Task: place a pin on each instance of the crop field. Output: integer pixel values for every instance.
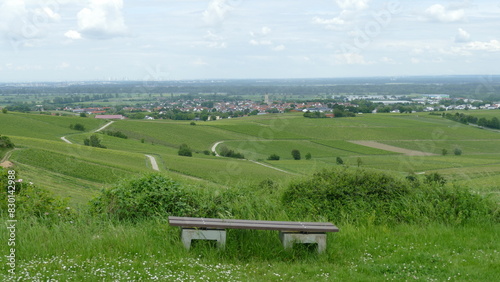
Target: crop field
(42, 126)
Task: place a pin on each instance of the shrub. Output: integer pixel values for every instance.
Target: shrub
(4, 110)
(339, 161)
(206, 152)
(308, 156)
(273, 157)
(435, 178)
(192, 123)
(33, 201)
(444, 152)
(78, 126)
(457, 151)
(184, 150)
(83, 115)
(296, 154)
(360, 196)
(144, 197)
(118, 134)
(226, 152)
(93, 141)
(5, 143)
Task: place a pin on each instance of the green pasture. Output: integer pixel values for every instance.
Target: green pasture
(43, 126)
(468, 147)
(199, 137)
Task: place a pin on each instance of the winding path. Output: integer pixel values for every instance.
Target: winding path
(66, 140)
(154, 164)
(214, 147)
(104, 126)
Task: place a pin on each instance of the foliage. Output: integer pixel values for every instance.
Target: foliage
(4, 110)
(457, 151)
(359, 161)
(5, 142)
(309, 114)
(361, 196)
(494, 122)
(308, 156)
(273, 157)
(184, 150)
(435, 178)
(444, 152)
(83, 115)
(118, 134)
(78, 126)
(93, 141)
(32, 201)
(296, 154)
(144, 197)
(192, 123)
(229, 153)
(339, 161)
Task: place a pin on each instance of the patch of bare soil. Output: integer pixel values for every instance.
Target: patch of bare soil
(390, 148)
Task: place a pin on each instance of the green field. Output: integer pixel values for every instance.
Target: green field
(252, 188)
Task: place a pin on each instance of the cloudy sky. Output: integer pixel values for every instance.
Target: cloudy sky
(61, 40)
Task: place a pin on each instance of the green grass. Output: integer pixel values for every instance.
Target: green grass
(42, 126)
(152, 249)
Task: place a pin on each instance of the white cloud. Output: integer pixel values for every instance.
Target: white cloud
(63, 65)
(103, 19)
(387, 60)
(353, 4)
(216, 12)
(48, 12)
(462, 36)
(279, 48)
(491, 46)
(350, 59)
(73, 34)
(333, 23)
(214, 40)
(438, 12)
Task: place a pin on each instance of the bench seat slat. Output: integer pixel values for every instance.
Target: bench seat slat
(252, 224)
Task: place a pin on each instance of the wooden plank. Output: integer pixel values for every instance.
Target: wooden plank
(252, 224)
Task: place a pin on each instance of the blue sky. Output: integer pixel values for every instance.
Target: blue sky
(64, 40)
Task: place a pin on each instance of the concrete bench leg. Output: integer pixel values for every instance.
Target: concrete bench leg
(189, 234)
(289, 238)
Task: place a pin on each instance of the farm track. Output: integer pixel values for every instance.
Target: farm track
(154, 164)
(66, 140)
(214, 147)
(104, 126)
(5, 160)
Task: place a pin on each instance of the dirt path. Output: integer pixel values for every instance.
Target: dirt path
(154, 164)
(378, 145)
(5, 163)
(104, 126)
(66, 140)
(215, 147)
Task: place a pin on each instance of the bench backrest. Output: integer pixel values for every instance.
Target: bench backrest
(215, 223)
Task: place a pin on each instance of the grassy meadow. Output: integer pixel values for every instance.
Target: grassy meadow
(86, 247)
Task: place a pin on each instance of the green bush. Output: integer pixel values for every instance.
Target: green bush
(5, 143)
(457, 152)
(144, 197)
(296, 154)
(118, 134)
(339, 161)
(184, 150)
(78, 126)
(226, 152)
(360, 196)
(273, 157)
(32, 201)
(93, 141)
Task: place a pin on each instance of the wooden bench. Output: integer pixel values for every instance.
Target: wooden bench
(194, 228)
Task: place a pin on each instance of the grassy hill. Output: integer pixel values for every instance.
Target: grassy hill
(366, 248)
(83, 170)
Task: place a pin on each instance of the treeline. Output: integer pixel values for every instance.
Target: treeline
(493, 123)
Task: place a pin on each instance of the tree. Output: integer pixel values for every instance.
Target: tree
(78, 126)
(359, 161)
(444, 152)
(4, 110)
(6, 143)
(93, 141)
(273, 157)
(339, 161)
(83, 115)
(184, 150)
(457, 151)
(308, 156)
(296, 154)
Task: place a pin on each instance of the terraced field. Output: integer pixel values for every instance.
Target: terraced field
(46, 157)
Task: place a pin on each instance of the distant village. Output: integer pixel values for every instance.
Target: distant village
(378, 103)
